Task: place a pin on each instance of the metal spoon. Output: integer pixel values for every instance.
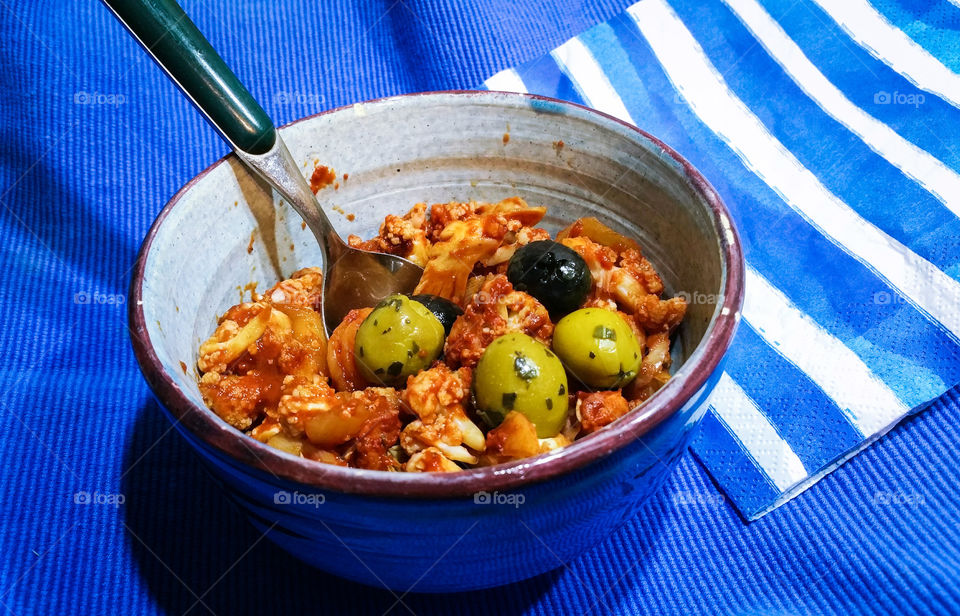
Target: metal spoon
(352, 278)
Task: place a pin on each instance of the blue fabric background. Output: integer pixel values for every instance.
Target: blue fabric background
(95, 140)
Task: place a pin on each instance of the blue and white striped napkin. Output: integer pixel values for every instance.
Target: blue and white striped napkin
(834, 138)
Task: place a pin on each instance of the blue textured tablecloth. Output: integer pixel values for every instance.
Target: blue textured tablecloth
(95, 140)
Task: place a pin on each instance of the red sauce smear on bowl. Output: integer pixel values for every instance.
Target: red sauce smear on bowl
(322, 176)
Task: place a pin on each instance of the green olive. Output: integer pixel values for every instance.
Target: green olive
(597, 347)
(517, 373)
(399, 338)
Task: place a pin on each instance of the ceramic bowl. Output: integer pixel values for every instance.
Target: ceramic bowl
(482, 527)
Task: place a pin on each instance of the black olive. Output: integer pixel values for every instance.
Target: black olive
(442, 308)
(555, 275)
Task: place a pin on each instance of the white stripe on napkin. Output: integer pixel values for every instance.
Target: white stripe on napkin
(591, 82)
(506, 81)
(750, 426)
(698, 81)
(893, 47)
(916, 163)
(866, 400)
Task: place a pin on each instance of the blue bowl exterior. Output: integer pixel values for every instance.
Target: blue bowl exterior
(458, 544)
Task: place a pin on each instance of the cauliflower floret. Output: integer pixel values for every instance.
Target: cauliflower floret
(430, 460)
(654, 370)
(629, 281)
(402, 236)
(463, 242)
(379, 432)
(496, 309)
(233, 336)
(554, 442)
(438, 397)
(513, 241)
(599, 408)
(442, 214)
(304, 288)
(237, 399)
(302, 401)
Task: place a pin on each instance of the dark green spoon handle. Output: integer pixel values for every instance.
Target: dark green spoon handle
(174, 42)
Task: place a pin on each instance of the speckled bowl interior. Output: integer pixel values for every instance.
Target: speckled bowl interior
(226, 230)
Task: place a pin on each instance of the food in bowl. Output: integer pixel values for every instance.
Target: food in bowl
(513, 344)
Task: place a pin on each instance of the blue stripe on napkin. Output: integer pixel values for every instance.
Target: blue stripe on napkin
(830, 135)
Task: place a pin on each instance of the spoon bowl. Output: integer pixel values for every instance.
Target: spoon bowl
(359, 278)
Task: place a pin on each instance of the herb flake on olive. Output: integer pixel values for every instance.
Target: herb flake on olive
(525, 368)
(604, 333)
(399, 338)
(555, 275)
(518, 373)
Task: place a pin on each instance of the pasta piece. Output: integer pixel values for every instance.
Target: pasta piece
(442, 214)
(293, 446)
(554, 442)
(267, 429)
(341, 364)
(304, 352)
(511, 242)
(464, 242)
(322, 455)
(594, 230)
(515, 208)
(369, 418)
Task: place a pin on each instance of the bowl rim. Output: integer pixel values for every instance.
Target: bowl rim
(213, 431)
